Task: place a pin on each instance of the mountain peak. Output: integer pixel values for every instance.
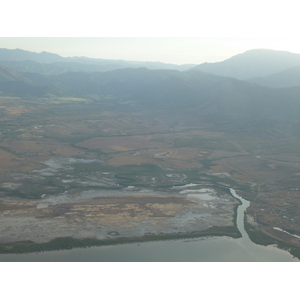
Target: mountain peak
(252, 63)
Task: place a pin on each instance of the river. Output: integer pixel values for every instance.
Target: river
(209, 249)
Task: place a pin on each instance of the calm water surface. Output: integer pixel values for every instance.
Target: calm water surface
(211, 249)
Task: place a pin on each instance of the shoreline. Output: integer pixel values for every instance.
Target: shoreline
(68, 243)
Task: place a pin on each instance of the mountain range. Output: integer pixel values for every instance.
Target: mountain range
(52, 64)
(241, 87)
(253, 63)
(265, 67)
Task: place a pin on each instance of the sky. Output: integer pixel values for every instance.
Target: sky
(166, 31)
(185, 50)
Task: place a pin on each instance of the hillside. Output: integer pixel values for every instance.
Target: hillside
(286, 78)
(7, 74)
(252, 63)
(14, 83)
(213, 97)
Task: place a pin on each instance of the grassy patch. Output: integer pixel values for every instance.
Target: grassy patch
(131, 174)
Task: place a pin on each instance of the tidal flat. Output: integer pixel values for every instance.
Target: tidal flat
(131, 211)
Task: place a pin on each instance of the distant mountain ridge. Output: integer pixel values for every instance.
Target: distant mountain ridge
(52, 64)
(213, 98)
(20, 55)
(257, 66)
(252, 63)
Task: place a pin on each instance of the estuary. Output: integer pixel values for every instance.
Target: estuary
(205, 249)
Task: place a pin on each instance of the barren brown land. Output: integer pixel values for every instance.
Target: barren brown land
(89, 169)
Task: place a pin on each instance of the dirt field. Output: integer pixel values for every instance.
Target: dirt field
(119, 210)
(126, 143)
(146, 157)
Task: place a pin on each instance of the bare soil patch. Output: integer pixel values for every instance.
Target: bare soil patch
(141, 157)
(122, 143)
(110, 210)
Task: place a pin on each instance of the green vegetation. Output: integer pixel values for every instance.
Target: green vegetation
(133, 174)
(66, 243)
(260, 238)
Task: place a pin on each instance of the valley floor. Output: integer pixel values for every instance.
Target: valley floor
(98, 171)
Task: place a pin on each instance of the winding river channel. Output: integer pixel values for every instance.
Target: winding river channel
(209, 249)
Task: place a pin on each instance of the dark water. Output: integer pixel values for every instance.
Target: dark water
(211, 249)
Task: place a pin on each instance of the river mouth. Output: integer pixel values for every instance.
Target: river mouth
(240, 218)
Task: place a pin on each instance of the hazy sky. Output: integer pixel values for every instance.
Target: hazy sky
(169, 50)
(197, 31)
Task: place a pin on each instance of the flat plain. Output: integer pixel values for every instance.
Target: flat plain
(85, 168)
